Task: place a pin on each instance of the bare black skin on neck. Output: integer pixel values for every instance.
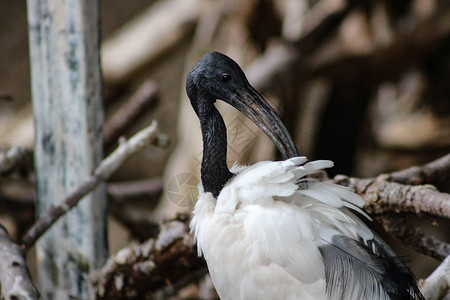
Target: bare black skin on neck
(214, 169)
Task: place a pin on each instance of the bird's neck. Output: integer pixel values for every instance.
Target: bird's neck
(214, 170)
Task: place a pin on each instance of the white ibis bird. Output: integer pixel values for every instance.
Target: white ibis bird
(267, 231)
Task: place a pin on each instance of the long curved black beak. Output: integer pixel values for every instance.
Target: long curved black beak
(249, 102)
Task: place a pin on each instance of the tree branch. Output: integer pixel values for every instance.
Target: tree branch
(435, 172)
(436, 286)
(147, 135)
(382, 196)
(414, 236)
(15, 278)
(22, 192)
(159, 266)
(144, 97)
(125, 191)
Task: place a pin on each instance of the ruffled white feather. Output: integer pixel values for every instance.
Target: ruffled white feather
(262, 234)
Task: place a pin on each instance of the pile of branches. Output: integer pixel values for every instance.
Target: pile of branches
(363, 83)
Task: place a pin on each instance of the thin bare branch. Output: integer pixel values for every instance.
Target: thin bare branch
(22, 192)
(414, 237)
(158, 266)
(147, 135)
(436, 286)
(382, 196)
(143, 98)
(435, 172)
(15, 278)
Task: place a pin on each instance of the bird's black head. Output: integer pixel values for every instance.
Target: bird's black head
(216, 76)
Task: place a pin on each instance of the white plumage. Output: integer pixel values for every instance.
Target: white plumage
(270, 232)
(262, 227)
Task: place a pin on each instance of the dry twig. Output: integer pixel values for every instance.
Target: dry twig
(158, 266)
(123, 191)
(14, 275)
(23, 193)
(147, 135)
(144, 97)
(382, 196)
(414, 236)
(437, 285)
(435, 172)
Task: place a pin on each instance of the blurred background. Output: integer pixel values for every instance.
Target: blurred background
(363, 83)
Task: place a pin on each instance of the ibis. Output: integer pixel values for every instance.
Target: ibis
(270, 231)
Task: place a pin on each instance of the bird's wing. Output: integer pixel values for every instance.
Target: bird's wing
(318, 239)
(357, 269)
(358, 263)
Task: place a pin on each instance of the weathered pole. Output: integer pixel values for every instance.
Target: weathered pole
(64, 40)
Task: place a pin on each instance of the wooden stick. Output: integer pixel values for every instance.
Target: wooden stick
(159, 266)
(414, 237)
(382, 196)
(435, 172)
(124, 191)
(144, 97)
(436, 286)
(15, 277)
(103, 171)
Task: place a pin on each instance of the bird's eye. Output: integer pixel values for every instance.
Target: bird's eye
(225, 77)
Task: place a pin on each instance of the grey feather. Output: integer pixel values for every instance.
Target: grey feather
(366, 270)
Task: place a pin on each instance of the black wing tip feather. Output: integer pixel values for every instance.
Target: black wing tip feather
(396, 272)
(382, 270)
(399, 282)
